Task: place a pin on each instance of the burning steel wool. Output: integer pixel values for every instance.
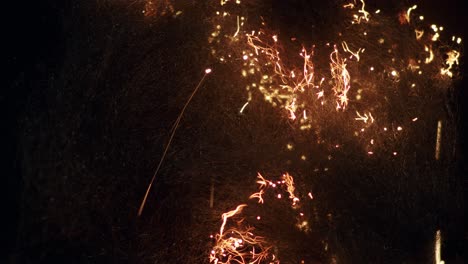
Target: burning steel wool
(370, 77)
(367, 85)
(238, 243)
(370, 81)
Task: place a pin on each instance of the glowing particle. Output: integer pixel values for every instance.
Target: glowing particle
(258, 217)
(421, 18)
(289, 146)
(431, 55)
(310, 195)
(413, 85)
(399, 128)
(207, 71)
(279, 196)
(372, 68)
(303, 157)
(419, 34)
(408, 13)
(243, 107)
(395, 153)
(377, 11)
(385, 129)
(415, 119)
(452, 58)
(245, 57)
(394, 73)
(370, 153)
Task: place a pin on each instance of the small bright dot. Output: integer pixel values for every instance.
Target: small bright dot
(399, 128)
(372, 142)
(378, 11)
(279, 195)
(370, 153)
(413, 85)
(303, 157)
(394, 153)
(301, 214)
(415, 119)
(394, 73)
(208, 71)
(245, 57)
(258, 217)
(385, 129)
(421, 18)
(371, 68)
(289, 146)
(362, 129)
(459, 40)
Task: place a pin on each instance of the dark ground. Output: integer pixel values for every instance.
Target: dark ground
(79, 133)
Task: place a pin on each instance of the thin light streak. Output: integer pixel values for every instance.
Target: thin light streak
(238, 28)
(212, 193)
(174, 129)
(408, 13)
(438, 140)
(243, 108)
(226, 216)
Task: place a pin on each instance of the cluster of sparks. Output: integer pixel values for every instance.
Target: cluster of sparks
(336, 79)
(239, 244)
(154, 8)
(310, 88)
(339, 78)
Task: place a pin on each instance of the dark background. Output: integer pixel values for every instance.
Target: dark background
(34, 43)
